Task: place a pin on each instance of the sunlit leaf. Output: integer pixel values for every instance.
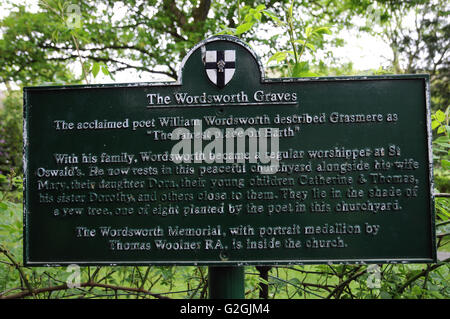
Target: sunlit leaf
(434, 124)
(279, 56)
(308, 31)
(260, 7)
(244, 27)
(440, 116)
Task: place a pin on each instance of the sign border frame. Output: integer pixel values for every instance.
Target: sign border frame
(179, 82)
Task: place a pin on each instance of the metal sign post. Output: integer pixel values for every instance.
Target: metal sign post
(226, 282)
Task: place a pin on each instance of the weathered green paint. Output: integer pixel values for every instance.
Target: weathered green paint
(405, 235)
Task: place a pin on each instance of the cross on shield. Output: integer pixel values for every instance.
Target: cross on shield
(220, 66)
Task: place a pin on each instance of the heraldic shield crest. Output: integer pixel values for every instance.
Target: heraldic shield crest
(220, 66)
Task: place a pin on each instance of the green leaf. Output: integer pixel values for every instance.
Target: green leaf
(3, 207)
(300, 69)
(308, 31)
(440, 116)
(279, 56)
(416, 290)
(308, 45)
(434, 124)
(441, 139)
(105, 71)
(226, 30)
(55, 35)
(291, 8)
(260, 7)
(249, 17)
(441, 129)
(321, 30)
(95, 69)
(273, 17)
(445, 164)
(311, 46)
(302, 42)
(244, 27)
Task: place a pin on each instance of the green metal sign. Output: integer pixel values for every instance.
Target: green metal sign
(226, 167)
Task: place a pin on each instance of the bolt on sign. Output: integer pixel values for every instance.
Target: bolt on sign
(227, 167)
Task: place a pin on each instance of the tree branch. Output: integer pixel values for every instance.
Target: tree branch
(422, 273)
(171, 6)
(123, 65)
(19, 268)
(201, 12)
(343, 284)
(83, 285)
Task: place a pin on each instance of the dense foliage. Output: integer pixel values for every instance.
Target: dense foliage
(151, 38)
